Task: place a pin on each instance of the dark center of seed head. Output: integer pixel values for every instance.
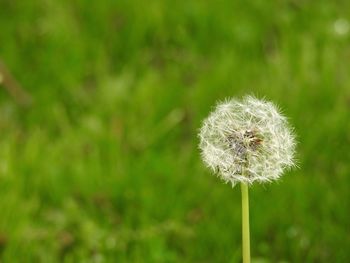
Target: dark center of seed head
(240, 144)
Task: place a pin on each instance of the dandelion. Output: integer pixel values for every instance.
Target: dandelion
(246, 141)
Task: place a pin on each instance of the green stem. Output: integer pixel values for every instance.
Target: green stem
(245, 224)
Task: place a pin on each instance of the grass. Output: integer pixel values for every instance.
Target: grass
(104, 166)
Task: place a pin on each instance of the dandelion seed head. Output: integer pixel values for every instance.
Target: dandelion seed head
(247, 140)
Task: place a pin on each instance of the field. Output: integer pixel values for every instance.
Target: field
(101, 162)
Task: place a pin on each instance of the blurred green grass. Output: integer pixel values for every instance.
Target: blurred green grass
(104, 166)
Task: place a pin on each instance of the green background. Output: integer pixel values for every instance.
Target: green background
(104, 166)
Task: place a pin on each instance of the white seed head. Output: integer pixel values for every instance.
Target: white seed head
(247, 140)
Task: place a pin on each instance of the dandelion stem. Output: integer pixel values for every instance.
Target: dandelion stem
(245, 224)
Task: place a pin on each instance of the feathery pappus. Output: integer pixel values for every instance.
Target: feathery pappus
(247, 140)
